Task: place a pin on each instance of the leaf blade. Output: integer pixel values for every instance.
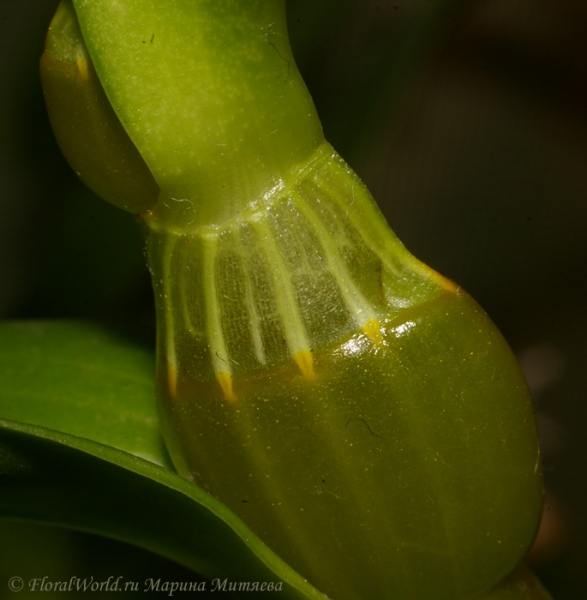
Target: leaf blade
(81, 378)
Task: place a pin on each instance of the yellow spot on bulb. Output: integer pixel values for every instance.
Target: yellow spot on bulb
(305, 362)
(172, 379)
(447, 284)
(372, 330)
(82, 66)
(225, 381)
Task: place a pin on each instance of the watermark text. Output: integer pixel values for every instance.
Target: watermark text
(119, 584)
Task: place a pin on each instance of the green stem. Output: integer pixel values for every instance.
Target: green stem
(214, 127)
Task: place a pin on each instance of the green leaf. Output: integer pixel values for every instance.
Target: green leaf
(80, 447)
(82, 379)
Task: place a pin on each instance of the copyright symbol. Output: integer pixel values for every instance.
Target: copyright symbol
(15, 584)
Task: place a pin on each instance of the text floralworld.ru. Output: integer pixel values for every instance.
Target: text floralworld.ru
(117, 584)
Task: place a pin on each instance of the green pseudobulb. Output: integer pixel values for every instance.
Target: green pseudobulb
(357, 410)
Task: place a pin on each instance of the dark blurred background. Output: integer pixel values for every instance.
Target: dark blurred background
(468, 121)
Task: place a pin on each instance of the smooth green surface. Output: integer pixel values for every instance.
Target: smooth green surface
(210, 96)
(88, 395)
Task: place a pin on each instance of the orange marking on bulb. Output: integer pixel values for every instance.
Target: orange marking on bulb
(444, 282)
(172, 379)
(82, 66)
(372, 329)
(225, 381)
(305, 362)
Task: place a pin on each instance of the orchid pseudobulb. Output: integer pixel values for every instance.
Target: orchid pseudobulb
(357, 410)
